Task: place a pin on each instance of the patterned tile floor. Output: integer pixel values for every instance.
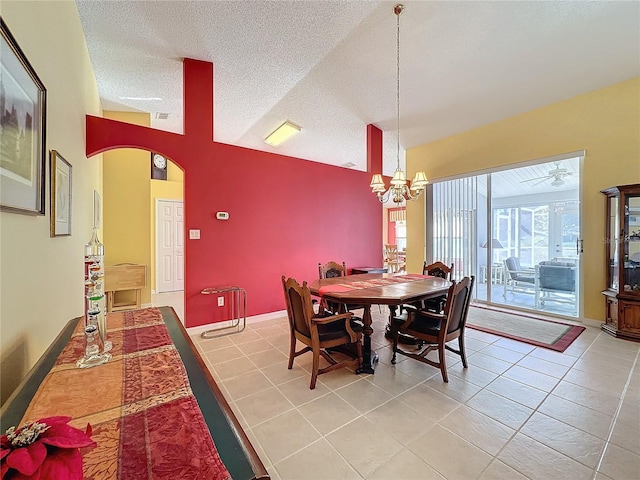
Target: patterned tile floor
(517, 412)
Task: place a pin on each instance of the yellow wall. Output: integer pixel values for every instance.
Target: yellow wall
(127, 188)
(41, 278)
(605, 123)
(129, 203)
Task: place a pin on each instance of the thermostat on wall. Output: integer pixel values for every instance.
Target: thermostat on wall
(222, 215)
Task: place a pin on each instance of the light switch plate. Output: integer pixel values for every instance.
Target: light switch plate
(194, 234)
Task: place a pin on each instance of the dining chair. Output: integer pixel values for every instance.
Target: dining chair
(437, 329)
(332, 270)
(392, 258)
(436, 269)
(320, 332)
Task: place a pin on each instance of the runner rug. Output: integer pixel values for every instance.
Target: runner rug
(549, 334)
(146, 421)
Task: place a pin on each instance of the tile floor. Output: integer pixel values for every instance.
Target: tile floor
(517, 412)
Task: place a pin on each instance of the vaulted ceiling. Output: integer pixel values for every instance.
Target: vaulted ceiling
(330, 66)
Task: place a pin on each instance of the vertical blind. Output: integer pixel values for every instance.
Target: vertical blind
(454, 210)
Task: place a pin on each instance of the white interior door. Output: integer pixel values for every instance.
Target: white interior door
(169, 245)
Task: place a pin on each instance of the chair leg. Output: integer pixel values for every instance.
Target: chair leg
(292, 352)
(463, 353)
(315, 367)
(394, 334)
(443, 362)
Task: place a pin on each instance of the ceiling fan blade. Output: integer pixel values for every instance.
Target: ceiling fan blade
(542, 179)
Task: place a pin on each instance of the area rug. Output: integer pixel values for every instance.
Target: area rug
(549, 334)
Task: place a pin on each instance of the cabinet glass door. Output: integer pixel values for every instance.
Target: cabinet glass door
(631, 276)
(614, 228)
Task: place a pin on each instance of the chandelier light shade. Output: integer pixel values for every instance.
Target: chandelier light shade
(282, 133)
(398, 189)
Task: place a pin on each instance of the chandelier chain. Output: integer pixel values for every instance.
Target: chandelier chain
(398, 87)
(399, 190)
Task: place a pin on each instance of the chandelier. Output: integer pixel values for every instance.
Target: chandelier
(398, 189)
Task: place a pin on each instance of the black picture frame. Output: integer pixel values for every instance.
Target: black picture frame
(61, 195)
(23, 155)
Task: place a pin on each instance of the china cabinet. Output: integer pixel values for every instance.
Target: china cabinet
(622, 243)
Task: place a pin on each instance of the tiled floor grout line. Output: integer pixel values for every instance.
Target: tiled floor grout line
(534, 410)
(617, 413)
(483, 387)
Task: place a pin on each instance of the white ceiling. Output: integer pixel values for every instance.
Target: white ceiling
(330, 66)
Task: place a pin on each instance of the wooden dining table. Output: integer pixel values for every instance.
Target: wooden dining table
(377, 289)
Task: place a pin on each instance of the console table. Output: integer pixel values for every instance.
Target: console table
(120, 411)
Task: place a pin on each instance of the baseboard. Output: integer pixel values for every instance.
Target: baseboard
(589, 322)
(263, 317)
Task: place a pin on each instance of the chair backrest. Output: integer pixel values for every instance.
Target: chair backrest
(299, 306)
(437, 269)
(458, 300)
(391, 251)
(557, 276)
(331, 270)
(512, 265)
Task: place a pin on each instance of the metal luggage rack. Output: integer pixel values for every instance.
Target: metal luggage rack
(238, 299)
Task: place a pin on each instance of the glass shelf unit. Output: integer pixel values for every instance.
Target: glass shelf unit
(622, 243)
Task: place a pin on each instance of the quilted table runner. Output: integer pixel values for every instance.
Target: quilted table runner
(145, 418)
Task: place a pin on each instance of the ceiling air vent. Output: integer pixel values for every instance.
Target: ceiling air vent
(161, 116)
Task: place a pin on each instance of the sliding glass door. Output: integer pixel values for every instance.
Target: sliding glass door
(516, 230)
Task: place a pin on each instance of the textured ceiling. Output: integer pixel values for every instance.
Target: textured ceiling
(330, 66)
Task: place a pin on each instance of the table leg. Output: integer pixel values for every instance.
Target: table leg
(369, 358)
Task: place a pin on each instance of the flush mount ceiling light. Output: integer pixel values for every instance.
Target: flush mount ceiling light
(398, 190)
(282, 133)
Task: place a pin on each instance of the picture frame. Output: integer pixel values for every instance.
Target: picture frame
(61, 188)
(97, 210)
(22, 133)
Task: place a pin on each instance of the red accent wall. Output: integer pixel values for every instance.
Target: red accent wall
(286, 214)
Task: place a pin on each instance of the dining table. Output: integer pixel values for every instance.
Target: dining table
(370, 289)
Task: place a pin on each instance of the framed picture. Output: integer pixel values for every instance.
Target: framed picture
(60, 195)
(22, 131)
(97, 210)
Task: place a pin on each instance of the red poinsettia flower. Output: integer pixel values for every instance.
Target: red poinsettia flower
(46, 449)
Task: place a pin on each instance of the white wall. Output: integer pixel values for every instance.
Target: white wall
(41, 278)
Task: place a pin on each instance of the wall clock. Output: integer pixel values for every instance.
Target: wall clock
(158, 166)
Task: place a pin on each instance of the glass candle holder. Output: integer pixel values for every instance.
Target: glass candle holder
(93, 349)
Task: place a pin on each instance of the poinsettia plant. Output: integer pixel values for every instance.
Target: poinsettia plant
(47, 449)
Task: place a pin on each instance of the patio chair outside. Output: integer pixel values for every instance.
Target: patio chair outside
(556, 282)
(518, 279)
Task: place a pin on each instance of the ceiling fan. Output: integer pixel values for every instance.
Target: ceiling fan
(557, 175)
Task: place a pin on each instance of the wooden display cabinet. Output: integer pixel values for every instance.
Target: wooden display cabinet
(622, 295)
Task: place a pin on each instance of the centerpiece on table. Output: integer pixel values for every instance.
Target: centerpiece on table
(47, 449)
